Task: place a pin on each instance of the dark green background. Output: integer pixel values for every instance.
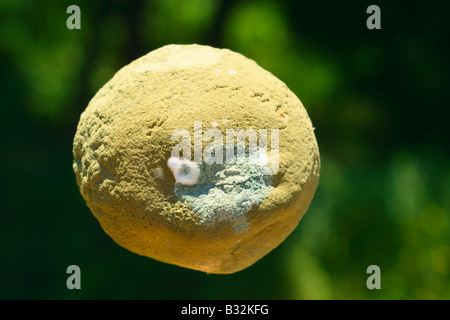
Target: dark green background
(379, 100)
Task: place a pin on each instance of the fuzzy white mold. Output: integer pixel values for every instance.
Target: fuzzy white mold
(186, 172)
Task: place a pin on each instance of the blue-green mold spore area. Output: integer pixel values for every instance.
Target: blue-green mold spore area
(226, 192)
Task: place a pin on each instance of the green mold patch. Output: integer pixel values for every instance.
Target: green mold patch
(226, 192)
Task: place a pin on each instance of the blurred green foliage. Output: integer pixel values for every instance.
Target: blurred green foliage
(378, 100)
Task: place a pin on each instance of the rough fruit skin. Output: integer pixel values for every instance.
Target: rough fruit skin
(123, 142)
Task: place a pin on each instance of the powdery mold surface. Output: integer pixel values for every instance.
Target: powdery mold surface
(227, 191)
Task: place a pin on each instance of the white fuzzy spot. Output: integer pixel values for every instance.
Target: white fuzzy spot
(185, 172)
(231, 71)
(159, 173)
